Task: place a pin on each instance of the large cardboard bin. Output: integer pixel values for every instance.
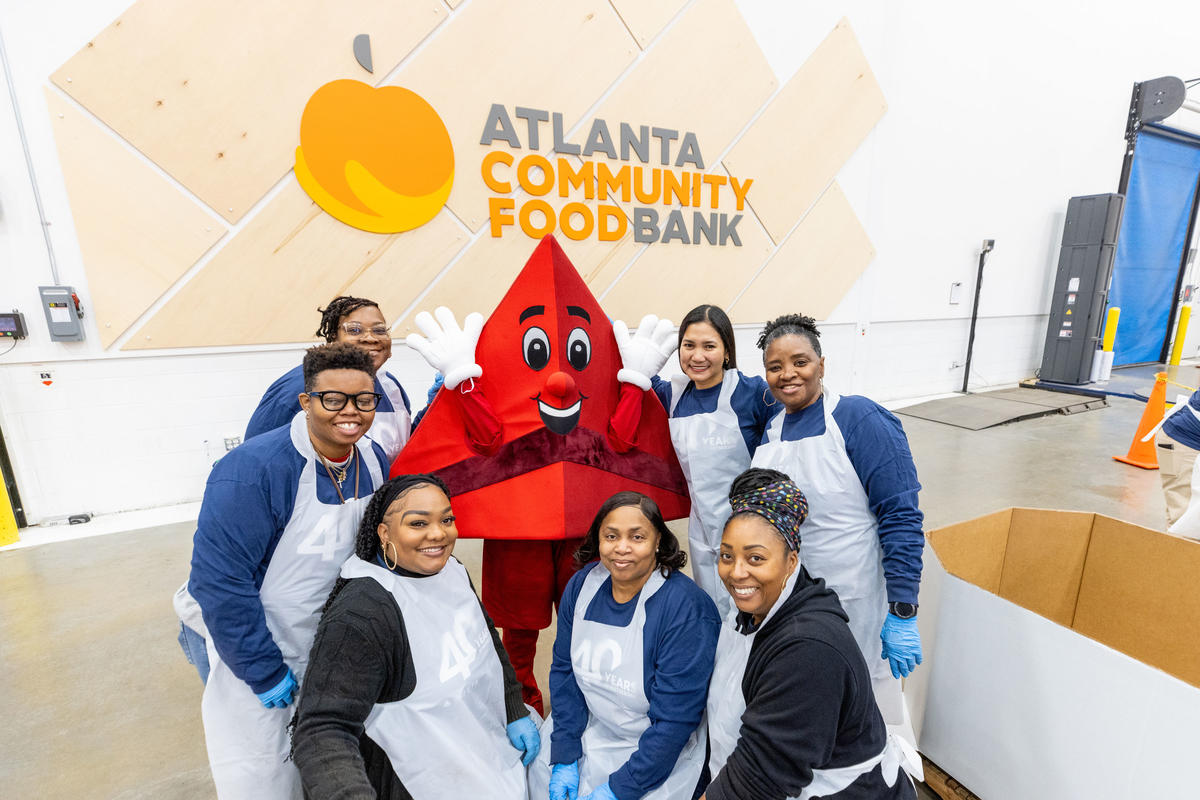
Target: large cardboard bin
(1066, 664)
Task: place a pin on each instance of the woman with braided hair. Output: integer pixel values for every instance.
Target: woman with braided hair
(790, 707)
(864, 535)
(409, 692)
(357, 321)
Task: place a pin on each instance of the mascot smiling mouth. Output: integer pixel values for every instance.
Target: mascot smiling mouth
(559, 420)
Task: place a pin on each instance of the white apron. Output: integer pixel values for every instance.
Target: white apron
(247, 743)
(448, 738)
(712, 452)
(390, 429)
(607, 662)
(840, 539)
(726, 705)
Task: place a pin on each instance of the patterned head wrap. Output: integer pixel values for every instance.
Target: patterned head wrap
(782, 504)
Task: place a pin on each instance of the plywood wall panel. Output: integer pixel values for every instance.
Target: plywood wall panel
(479, 280)
(819, 118)
(212, 92)
(265, 285)
(558, 57)
(706, 75)
(138, 233)
(814, 268)
(645, 18)
(670, 279)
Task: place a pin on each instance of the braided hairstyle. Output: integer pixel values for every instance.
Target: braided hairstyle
(668, 556)
(791, 325)
(366, 544)
(333, 314)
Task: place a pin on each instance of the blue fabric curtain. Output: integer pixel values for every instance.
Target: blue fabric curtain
(1158, 206)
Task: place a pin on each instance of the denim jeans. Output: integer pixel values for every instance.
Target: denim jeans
(194, 649)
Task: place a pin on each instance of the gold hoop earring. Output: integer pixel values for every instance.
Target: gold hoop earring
(773, 400)
(395, 558)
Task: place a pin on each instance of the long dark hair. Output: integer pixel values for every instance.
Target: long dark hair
(366, 544)
(716, 317)
(668, 555)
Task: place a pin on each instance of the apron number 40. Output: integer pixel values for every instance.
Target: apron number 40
(325, 539)
(458, 651)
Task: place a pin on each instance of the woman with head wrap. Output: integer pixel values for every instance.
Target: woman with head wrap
(409, 693)
(790, 709)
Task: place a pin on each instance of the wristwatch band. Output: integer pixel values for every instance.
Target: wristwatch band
(903, 610)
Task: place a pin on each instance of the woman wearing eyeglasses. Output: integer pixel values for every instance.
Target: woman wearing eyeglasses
(356, 321)
(279, 517)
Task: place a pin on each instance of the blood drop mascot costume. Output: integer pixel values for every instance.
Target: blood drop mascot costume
(545, 412)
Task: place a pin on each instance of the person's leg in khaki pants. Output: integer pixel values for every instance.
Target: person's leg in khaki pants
(1175, 462)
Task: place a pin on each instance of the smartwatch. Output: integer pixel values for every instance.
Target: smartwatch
(903, 610)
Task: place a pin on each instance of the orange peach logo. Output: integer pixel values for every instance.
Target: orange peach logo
(376, 159)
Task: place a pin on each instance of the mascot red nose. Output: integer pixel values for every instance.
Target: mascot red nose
(553, 450)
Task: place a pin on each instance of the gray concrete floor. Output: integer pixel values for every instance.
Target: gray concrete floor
(96, 700)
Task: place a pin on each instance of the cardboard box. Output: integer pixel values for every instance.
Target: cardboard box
(1066, 662)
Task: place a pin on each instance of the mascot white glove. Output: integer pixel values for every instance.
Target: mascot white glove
(446, 347)
(645, 352)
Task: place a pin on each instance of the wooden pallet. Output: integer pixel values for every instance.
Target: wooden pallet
(943, 785)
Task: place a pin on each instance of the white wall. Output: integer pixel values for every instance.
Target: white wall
(997, 115)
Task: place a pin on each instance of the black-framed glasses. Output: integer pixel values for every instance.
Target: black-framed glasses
(336, 401)
(356, 330)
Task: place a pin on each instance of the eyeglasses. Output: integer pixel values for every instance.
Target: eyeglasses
(356, 330)
(336, 401)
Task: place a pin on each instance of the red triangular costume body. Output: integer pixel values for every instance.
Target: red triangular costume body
(550, 365)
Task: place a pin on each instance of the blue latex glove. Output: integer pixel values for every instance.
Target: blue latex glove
(438, 380)
(524, 736)
(601, 793)
(564, 781)
(901, 644)
(280, 696)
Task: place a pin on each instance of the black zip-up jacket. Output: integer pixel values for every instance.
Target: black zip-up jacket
(809, 705)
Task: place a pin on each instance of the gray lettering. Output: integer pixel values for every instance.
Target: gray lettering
(559, 145)
(532, 117)
(706, 227)
(675, 228)
(730, 231)
(665, 136)
(599, 139)
(499, 126)
(645, 225)
(639, 145)
(689, 152)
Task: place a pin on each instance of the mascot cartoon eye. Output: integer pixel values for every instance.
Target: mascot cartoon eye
(579, 348)
(535, 346)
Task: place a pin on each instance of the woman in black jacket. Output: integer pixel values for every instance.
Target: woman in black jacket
(409, 692)
(790, 709)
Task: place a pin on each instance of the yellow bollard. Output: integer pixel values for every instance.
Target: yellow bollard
(9, 533)
(1185, 314)
(1110, 328)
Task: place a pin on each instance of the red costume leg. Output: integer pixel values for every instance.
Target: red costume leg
(521, 646)
(522, 581)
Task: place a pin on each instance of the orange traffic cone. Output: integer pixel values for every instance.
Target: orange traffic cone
(1141, 453)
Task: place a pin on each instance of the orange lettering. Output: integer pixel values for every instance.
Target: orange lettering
(489, 169)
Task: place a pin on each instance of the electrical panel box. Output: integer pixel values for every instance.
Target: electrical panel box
(1085, 264)
(63, 313)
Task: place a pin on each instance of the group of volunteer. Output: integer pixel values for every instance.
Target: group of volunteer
(348, 654)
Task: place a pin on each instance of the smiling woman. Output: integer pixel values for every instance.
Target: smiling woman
(277, 520)
(406, 661)
(864, 536)
(357, 321)
(718, 415)
(791, 712)
(632, 659)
